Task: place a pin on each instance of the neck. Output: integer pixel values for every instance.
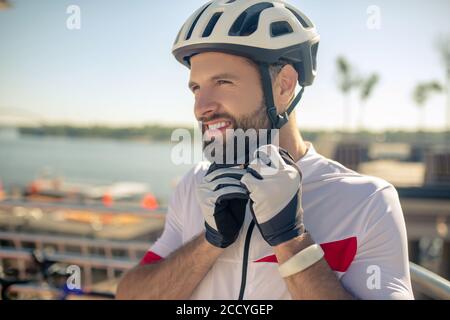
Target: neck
(291, 139)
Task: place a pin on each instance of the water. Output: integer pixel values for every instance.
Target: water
(89, 160)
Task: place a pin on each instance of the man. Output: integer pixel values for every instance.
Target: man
(322, 231)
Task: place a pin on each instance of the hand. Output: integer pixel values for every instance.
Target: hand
(222, 200)
(274, 184)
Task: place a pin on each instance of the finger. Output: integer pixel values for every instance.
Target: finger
(257, 168)
(270, 155)
(236, 173)
(220, 183)
(231, 192)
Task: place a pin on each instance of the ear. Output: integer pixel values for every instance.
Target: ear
(284, 87)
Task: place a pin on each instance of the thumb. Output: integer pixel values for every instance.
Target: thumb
(270, 155)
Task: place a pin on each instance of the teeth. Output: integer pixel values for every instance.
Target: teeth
(217, 125)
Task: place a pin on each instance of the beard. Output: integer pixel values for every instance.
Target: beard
(244, 135)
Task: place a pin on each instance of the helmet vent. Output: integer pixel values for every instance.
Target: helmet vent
(280, 28)
(188, 36)
(247, 22)
(304, 21)
(230, 1)
(314, 49)
(211, 24)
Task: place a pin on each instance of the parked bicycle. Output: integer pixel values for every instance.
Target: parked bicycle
(49, 275)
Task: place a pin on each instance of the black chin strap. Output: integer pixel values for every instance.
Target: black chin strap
(277, 120)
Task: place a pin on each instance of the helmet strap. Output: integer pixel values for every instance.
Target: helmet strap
(277, 120)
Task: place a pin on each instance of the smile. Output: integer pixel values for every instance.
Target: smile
(218, 125)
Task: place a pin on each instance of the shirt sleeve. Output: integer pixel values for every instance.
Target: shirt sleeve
(171, 238)
(381, 266)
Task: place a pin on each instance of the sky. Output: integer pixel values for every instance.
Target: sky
(117, 68)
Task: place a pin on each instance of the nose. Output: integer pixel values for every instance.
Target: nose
(205, 104)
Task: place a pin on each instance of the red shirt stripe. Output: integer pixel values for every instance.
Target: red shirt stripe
(339, 254)
(150, 257)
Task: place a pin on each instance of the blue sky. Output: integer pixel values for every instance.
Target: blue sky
(118, 68)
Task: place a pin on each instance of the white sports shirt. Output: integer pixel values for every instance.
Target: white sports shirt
(357, 220)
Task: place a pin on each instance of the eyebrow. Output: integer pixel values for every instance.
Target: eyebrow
(225, 75)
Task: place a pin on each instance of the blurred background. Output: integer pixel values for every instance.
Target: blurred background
(90, 95)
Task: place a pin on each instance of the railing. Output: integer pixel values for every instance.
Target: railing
(133, 251)
(48, 292)
(62, 242)
(33, 290)
(429, 283)
(87, 263)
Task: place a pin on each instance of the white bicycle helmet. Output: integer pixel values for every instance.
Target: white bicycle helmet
(266, 32)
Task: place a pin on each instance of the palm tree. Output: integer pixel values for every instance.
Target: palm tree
(366, 86)
(421, 94)
(346, 81)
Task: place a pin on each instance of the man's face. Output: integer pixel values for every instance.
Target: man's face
(228, 94)
(227, 89)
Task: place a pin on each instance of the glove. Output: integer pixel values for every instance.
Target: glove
(222, 200)
(274, 184)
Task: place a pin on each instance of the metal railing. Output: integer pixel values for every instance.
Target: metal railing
(429, 283)
(87, 263)
(133, 251)
(95, 262)
(47, 292)
(62, 242)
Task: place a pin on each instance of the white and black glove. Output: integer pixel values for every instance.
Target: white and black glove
(222, 200)
(274, 184)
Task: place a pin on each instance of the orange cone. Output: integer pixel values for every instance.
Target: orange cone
(107, 200)
(149, 202)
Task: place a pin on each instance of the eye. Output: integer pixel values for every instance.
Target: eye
(220, 82)
(194, 88)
